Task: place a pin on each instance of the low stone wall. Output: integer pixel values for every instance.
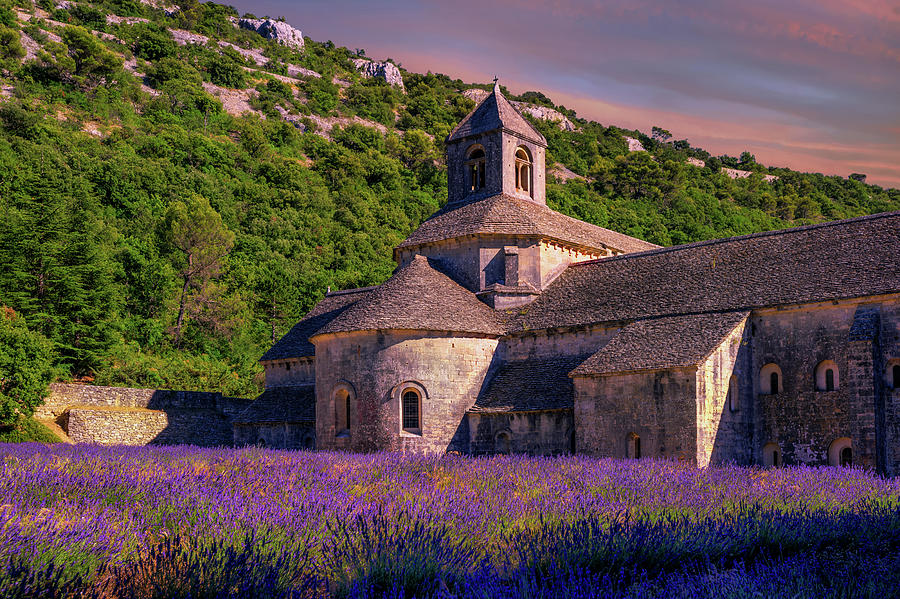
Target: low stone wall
(126, 416)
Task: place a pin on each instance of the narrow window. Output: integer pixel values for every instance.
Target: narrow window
(773, 382)
(776, 459)
(523, 170)
(829, 380)
(475, 165)
(502, 443)
(634, 446)
(771, 455)
(847, 457)
(411, 411)
(896, 376)
(347, 413)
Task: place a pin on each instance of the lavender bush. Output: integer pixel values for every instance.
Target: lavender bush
(92, 522)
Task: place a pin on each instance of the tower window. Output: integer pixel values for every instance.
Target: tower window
(523, 170)
(475, 169)
(411, 411)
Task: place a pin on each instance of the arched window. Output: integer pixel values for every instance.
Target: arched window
(475, 169)
(309, 441)
(895, 383)
(503, 442)
(840, 452)
(634, 446)
(523, 170)
(412, 402)
(770, 380)
(343, 402)
(734, 398)
(771, 455)
(827, 376)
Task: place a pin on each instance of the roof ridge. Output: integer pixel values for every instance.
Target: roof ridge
(349, 291)
(723, 240)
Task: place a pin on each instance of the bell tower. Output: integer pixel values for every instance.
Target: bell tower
(495, 151)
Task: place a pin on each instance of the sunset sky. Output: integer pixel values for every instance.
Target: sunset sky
(811, 85)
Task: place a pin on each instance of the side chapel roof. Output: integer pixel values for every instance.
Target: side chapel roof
(418, 297)
(507, 215)
(495, 112)
(662, 343)
(530, 385)
(295, 343)
(281, 404)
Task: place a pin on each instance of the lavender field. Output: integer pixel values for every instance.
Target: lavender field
(88, 521)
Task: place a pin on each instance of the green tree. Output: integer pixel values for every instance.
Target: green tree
(197, 231)
(26, 368)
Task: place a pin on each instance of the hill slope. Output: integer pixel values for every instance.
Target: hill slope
(126, 130)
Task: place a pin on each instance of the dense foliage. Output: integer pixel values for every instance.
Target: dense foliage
(107, 125)
(25, 368)
(185, 522)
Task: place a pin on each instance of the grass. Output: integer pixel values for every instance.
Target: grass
(27, 430)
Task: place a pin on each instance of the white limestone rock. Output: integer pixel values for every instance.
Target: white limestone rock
(384, 70)
(279, 31)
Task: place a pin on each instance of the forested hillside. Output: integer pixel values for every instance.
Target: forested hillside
(177, 191)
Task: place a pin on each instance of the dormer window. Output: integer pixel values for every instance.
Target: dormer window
(523, 171)
(475, 169)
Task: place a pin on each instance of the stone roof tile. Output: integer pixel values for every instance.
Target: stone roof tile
(418, 297)
(507, 215)
(495, 112)
(295, 343)
(530, 385)
(661, 343)
(281, 404)
(842, 259)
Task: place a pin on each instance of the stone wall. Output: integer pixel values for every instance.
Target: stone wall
(533, 433)
(290, 371)
(659, 407)
(127, 416)
(375, 367)
(283, 435)
(725, 432)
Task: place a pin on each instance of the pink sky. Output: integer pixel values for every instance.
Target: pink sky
(810, 85)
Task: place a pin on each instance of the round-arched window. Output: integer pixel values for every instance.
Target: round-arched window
(770, 380)
(342, 400)
(503, 442)
(827, 376)
(840, 452)
(634, 446)
(476, 172)
(523, 170)
(412, 404)
(771, 455)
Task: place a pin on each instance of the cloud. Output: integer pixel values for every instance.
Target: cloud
(811, 84)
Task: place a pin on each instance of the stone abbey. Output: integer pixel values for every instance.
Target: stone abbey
(509, 327)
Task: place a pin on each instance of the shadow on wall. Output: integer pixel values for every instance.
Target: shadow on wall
(124, 416)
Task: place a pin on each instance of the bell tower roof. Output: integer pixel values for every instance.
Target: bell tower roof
(493, 113)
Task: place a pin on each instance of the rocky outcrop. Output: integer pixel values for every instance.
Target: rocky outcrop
(383, 70)
(634, 145)
(279, 31)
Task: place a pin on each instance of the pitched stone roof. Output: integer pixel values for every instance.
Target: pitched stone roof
(668, 342)
(530, 385)
(418, 297)
(295, 343)
(281, 404)
(842, 259)
(507, 215)
(495, 112)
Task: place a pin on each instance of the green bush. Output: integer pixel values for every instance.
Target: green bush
(26, 368)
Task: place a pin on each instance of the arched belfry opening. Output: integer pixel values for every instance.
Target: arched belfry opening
(495, 151)
(476, 172)
(523, 171)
